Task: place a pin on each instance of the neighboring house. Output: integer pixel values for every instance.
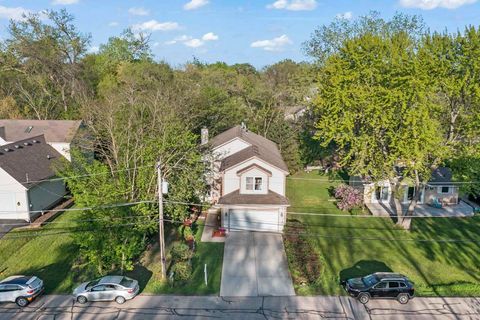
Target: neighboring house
(24, 165)
(440, 188)
(60, 134)
(249, 180)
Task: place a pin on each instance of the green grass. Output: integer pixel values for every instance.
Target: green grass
(149, 273)
(53, 258)
(437, 269)
(50, 257)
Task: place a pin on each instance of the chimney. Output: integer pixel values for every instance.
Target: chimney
(204, 135)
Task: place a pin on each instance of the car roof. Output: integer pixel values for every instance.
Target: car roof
(22, 280)
(390, 276)
(111, 279)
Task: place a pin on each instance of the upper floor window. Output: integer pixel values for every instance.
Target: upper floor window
(254, 183)
(445, 189)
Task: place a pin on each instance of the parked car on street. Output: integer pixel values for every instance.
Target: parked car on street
(20, 289)
(108, 288)
(385, 285)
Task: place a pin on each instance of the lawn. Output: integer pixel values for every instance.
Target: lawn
(51, 254)
(355, 246)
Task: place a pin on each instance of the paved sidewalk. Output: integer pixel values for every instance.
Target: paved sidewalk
(209, 307)
(255, 264)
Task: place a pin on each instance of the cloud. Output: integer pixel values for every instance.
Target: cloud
(433, 4)
(113, 24)
(210, 37)
(64, 2)
(195, 4)
(138, 11)
(275, 44)
(345, 15)
(154, 25)
(12, 13)
(293, 5)
(193, 42)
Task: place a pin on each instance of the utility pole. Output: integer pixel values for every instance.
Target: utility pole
(160, 221)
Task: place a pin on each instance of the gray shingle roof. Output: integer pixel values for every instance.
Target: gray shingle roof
(441, 175)
(53, 130)
(29, 160)
(237, 198)
(260, 147)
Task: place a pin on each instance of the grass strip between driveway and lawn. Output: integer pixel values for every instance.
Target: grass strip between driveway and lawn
(343, 249)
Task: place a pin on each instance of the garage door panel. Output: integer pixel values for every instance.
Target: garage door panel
(7, 205)
(250, 219)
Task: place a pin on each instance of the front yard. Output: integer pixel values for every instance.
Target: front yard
(354, 246)
(51, 254)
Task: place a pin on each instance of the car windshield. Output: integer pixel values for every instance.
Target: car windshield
(92, 284)
(126, 282)
(370, 280)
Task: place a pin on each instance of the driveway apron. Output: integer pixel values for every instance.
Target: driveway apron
(255, 264)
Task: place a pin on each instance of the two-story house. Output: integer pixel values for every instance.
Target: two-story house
(249, 180)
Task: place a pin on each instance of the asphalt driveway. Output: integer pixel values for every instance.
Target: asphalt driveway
(255, 264)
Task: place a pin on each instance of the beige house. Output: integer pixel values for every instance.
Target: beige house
(248, 183)
(440, 189)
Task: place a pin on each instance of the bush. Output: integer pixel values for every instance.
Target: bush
(182, 271)
(348, 197)
(188, 233)
(180, 252)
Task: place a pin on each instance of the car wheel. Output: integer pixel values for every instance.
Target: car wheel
(363, 298)
(403, 298)
(120, 300)
(82, 299)
(21, 301)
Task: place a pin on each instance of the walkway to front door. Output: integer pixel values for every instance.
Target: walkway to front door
(255, 264)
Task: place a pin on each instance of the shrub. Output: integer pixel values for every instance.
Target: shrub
(182, 271)
(180, 252)
(188, 233)
(348, 197)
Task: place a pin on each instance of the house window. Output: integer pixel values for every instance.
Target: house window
(445, 189)
(254, 183)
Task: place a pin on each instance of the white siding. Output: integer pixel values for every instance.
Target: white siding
(276, 182)
(63, 148)
(13, 197)
(229, 148)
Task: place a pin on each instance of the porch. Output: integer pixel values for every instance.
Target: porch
(461, 209)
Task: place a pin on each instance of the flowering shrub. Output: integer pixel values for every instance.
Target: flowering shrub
(348, 197)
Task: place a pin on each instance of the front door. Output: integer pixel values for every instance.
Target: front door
(379, 290)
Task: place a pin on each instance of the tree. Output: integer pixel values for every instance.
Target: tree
(45, 55)
(329, 39)
(374, 105)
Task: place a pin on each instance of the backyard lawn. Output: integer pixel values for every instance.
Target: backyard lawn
(356, 246)
(51, 254)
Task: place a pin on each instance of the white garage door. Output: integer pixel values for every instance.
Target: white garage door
(7, 205)
(250, 219)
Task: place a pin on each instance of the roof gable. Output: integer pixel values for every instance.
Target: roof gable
(260, 147)
(254, 166)
(29, 160)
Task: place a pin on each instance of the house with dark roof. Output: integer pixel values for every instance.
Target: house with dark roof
(60, 134)
(26, 184)
(249, 180)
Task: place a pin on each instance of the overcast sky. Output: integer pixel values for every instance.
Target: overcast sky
(260, 32)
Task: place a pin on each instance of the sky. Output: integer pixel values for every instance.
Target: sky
(260, 32)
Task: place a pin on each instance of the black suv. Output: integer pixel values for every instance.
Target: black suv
(380, 285)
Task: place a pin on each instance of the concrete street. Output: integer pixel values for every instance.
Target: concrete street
(201, 307)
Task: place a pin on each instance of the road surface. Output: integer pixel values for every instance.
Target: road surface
(60, 307)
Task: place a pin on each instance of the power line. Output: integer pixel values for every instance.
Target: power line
(309, 234)
(77, 176)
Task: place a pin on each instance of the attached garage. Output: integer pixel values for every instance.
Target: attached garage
(254, 219)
